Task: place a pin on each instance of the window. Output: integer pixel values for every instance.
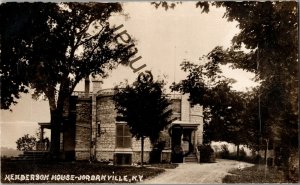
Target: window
(123, 159)
(123, 136)
(98, 130)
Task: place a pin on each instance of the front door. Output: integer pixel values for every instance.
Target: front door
(177, 152)
(187, 141)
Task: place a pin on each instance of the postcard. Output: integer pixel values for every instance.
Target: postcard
(149, 92)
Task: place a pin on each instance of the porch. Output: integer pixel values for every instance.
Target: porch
(184, 141)
(41, 149)
(67, 139)
(43, 144)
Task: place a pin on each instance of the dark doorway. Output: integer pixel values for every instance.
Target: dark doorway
(177, 153)
(187, 139)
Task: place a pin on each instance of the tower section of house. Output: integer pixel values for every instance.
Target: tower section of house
(114, 141)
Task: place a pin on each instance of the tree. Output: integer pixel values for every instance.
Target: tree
(50, 47)
(144, 107)
(270, 31)
(223, 107)
(26, 143)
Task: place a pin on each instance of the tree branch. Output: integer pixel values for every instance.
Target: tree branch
(92, 37)
(51, 98)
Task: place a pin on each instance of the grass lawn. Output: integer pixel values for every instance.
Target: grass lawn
(67, 172)
(255, 174)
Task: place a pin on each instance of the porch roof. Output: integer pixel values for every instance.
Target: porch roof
(45, 124)
(185, 124)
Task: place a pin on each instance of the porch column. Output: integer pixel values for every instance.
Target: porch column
(195, 138)
(42, 134)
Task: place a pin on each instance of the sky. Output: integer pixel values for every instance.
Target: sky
(164, 40)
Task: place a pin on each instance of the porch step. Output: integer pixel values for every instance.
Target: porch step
(31, 156)
(192, 158)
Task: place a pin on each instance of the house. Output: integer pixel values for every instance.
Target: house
(91, 131)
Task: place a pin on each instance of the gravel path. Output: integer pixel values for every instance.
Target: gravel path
(195, 173)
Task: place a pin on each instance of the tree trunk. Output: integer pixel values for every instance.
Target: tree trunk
(142, 152)
(265, 154)
(258, 150)
(56, 120)
(237, 151)
(286, 162)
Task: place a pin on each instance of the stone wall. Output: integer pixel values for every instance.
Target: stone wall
(106, 117)
(136, 157)
(136, 144)
(82, 154)
(185, 108)
(83, 129)
(104, 155)
(165, 137)
(84, 111)
(196, 116)
(136, 148)
(105, 144)
(176, 108)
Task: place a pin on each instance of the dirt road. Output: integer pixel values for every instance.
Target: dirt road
(193, 173)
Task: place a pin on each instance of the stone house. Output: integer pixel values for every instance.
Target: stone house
(91, 131)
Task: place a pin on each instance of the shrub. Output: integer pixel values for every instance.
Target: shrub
(207, 154)
(26, 143)
(155, 154)
(5, 158)
(224, 154)
(242, 154)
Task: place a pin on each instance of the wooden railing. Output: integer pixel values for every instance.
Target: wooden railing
(42, 146)
(197, 154)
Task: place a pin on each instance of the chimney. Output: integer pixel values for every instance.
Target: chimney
(96, 84)
(185, 107)
(87, 87)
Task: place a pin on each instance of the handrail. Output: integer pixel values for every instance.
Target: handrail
(197, 154)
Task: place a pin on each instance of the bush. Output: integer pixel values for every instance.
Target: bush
(155, 154)
(224, 154)
(242, 154)
(26, 143)
(5, 158)
(207, 154)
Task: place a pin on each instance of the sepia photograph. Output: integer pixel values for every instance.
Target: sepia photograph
(149, 92)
